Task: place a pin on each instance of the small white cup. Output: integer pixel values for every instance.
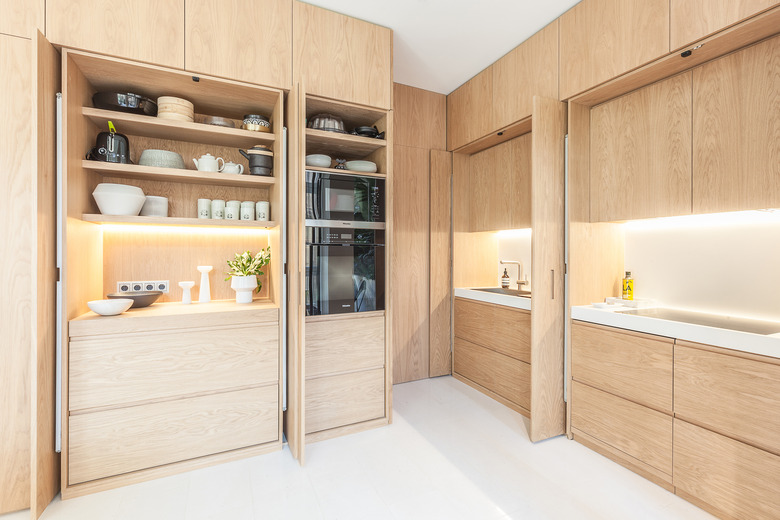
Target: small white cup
(247, 210)
(218, 209)
(204, 208)
(233, 210)
(263, 211)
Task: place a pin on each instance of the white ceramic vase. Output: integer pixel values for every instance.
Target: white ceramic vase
(245, 287)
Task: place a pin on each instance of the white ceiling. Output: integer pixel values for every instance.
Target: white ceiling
(440, 44)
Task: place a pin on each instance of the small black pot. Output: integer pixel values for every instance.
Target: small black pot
(368, 131)
(261, 160)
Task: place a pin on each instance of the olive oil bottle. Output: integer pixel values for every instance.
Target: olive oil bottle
(628, 287)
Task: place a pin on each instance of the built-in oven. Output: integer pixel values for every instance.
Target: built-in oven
(338, 199)
(345, 270)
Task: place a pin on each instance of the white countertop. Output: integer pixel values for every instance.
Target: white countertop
(518, 302)
(766, 345)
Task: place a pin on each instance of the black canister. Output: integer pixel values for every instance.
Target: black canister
(261, 160)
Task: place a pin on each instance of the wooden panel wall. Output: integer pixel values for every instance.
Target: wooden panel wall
(691, 20)
(440, 356)
(22, 17)
(420, 117)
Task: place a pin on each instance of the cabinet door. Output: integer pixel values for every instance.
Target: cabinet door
(343, 58)
(344, 399)
(502, 329)
(520, 185)
(143, 30)
(247, 40)
(691, 20)
(640, 153)
(529, 69)
(440, 246)
(736, 124)
(491, 181)
(21, 17)
(469, 112)
(602, 39)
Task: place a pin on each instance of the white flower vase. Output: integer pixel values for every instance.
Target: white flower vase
(245, 287)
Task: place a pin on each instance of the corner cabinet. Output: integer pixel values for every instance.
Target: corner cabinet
(169, 387)
(340, 57)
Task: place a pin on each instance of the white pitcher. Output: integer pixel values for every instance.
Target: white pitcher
(231, 167)
(208, 163)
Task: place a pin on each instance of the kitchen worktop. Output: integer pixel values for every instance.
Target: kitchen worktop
(518, 302)
(710, 329)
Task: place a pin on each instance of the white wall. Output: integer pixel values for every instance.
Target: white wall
(514, 245)
(726, 265)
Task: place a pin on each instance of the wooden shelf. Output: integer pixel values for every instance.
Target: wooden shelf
(134, 171)
(347, 172)
(148, 126)
(177, 221)
(350, 146)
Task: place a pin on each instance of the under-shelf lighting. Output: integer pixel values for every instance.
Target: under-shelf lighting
(731, 219)
(184, 230)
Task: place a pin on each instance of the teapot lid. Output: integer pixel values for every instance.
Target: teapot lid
(206, 155)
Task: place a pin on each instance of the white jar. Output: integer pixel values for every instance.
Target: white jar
(263, 211)
(233, 210)
(204, 208)
(247, 210)
(218, 209)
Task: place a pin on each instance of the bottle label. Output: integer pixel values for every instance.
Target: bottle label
(628, 289)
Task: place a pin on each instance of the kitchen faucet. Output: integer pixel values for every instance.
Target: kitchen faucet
(520, 277)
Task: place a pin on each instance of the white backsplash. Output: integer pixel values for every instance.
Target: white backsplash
(731, 268)
(514, 245)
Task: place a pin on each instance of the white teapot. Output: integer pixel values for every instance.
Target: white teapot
(231, 167)
(209, 163)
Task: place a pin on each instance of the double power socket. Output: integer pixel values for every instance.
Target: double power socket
(159, 285)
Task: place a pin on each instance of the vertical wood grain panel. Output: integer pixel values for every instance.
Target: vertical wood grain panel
(469, 116)
(16, 277)
(420, 117)
(411, 257)
(248, 40)
(440, 355)
(143, 30)
(22, 17)
(548, 412)
(640, 153)
(691, 20)
(520, 183)
(343, 58)
(736, 131)
(602, 39)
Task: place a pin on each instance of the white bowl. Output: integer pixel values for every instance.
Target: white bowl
(155, 206)
(119, 199)
(319, 160)
(161, 159)
(110, 307)
(361, 166)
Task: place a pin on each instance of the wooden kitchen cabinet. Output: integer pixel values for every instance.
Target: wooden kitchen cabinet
(240, 39)
(22, 17)
(602, 39)
(145, 30)
(640, 153)
(469, 112)
(504, 329)
(736, 152)
(692, 20)
(341, 57)
(529, 69)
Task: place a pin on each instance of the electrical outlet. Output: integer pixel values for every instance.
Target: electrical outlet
(149, 286)
(137, 286)
(152, 285)
(162, 285)
(124, 287)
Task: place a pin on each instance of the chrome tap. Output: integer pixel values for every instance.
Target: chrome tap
(521, 279)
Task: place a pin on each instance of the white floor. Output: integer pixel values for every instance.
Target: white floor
(451, 454)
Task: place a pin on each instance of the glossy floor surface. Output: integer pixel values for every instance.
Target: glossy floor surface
(451, 454)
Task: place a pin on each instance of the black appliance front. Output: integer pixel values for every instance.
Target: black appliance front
(344, 197)
(345, 270)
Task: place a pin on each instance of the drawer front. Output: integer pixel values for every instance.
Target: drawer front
(344, 345)
(506, 376)
(732, 395)
(344, 399)
(116, 370)
(636, 430)
(498, 328)
(735, 479)
(113, 442)
(631, 365)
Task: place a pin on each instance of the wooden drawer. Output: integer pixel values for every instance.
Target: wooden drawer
(737, 395)
(344, 345)
(496, 327)
(115, 370)
(506, 376)
(724, 476)
(639, 432)
(628, 364)
(112, 442)
(344, 399)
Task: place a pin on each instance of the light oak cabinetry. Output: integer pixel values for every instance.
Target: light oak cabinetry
(340, 57)
(144, 30)
(691, 20)
(22, 17)
(736, 152)
(469, 112)
(640, 153)
(239, 39)
(602, 39)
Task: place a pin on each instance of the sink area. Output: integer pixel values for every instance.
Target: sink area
(508, 292)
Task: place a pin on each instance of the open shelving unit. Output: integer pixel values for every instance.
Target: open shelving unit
(172, 221)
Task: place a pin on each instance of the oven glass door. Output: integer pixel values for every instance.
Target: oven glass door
(343, 278)
(344, 197)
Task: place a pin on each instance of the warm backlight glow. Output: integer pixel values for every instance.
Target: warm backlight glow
(515, 233)
(737, 218)
(184, 230)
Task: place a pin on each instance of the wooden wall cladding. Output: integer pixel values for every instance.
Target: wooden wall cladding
(420, 117)
(691, 20)
(22, 17)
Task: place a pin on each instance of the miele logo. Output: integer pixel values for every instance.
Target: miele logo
(346, 306)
